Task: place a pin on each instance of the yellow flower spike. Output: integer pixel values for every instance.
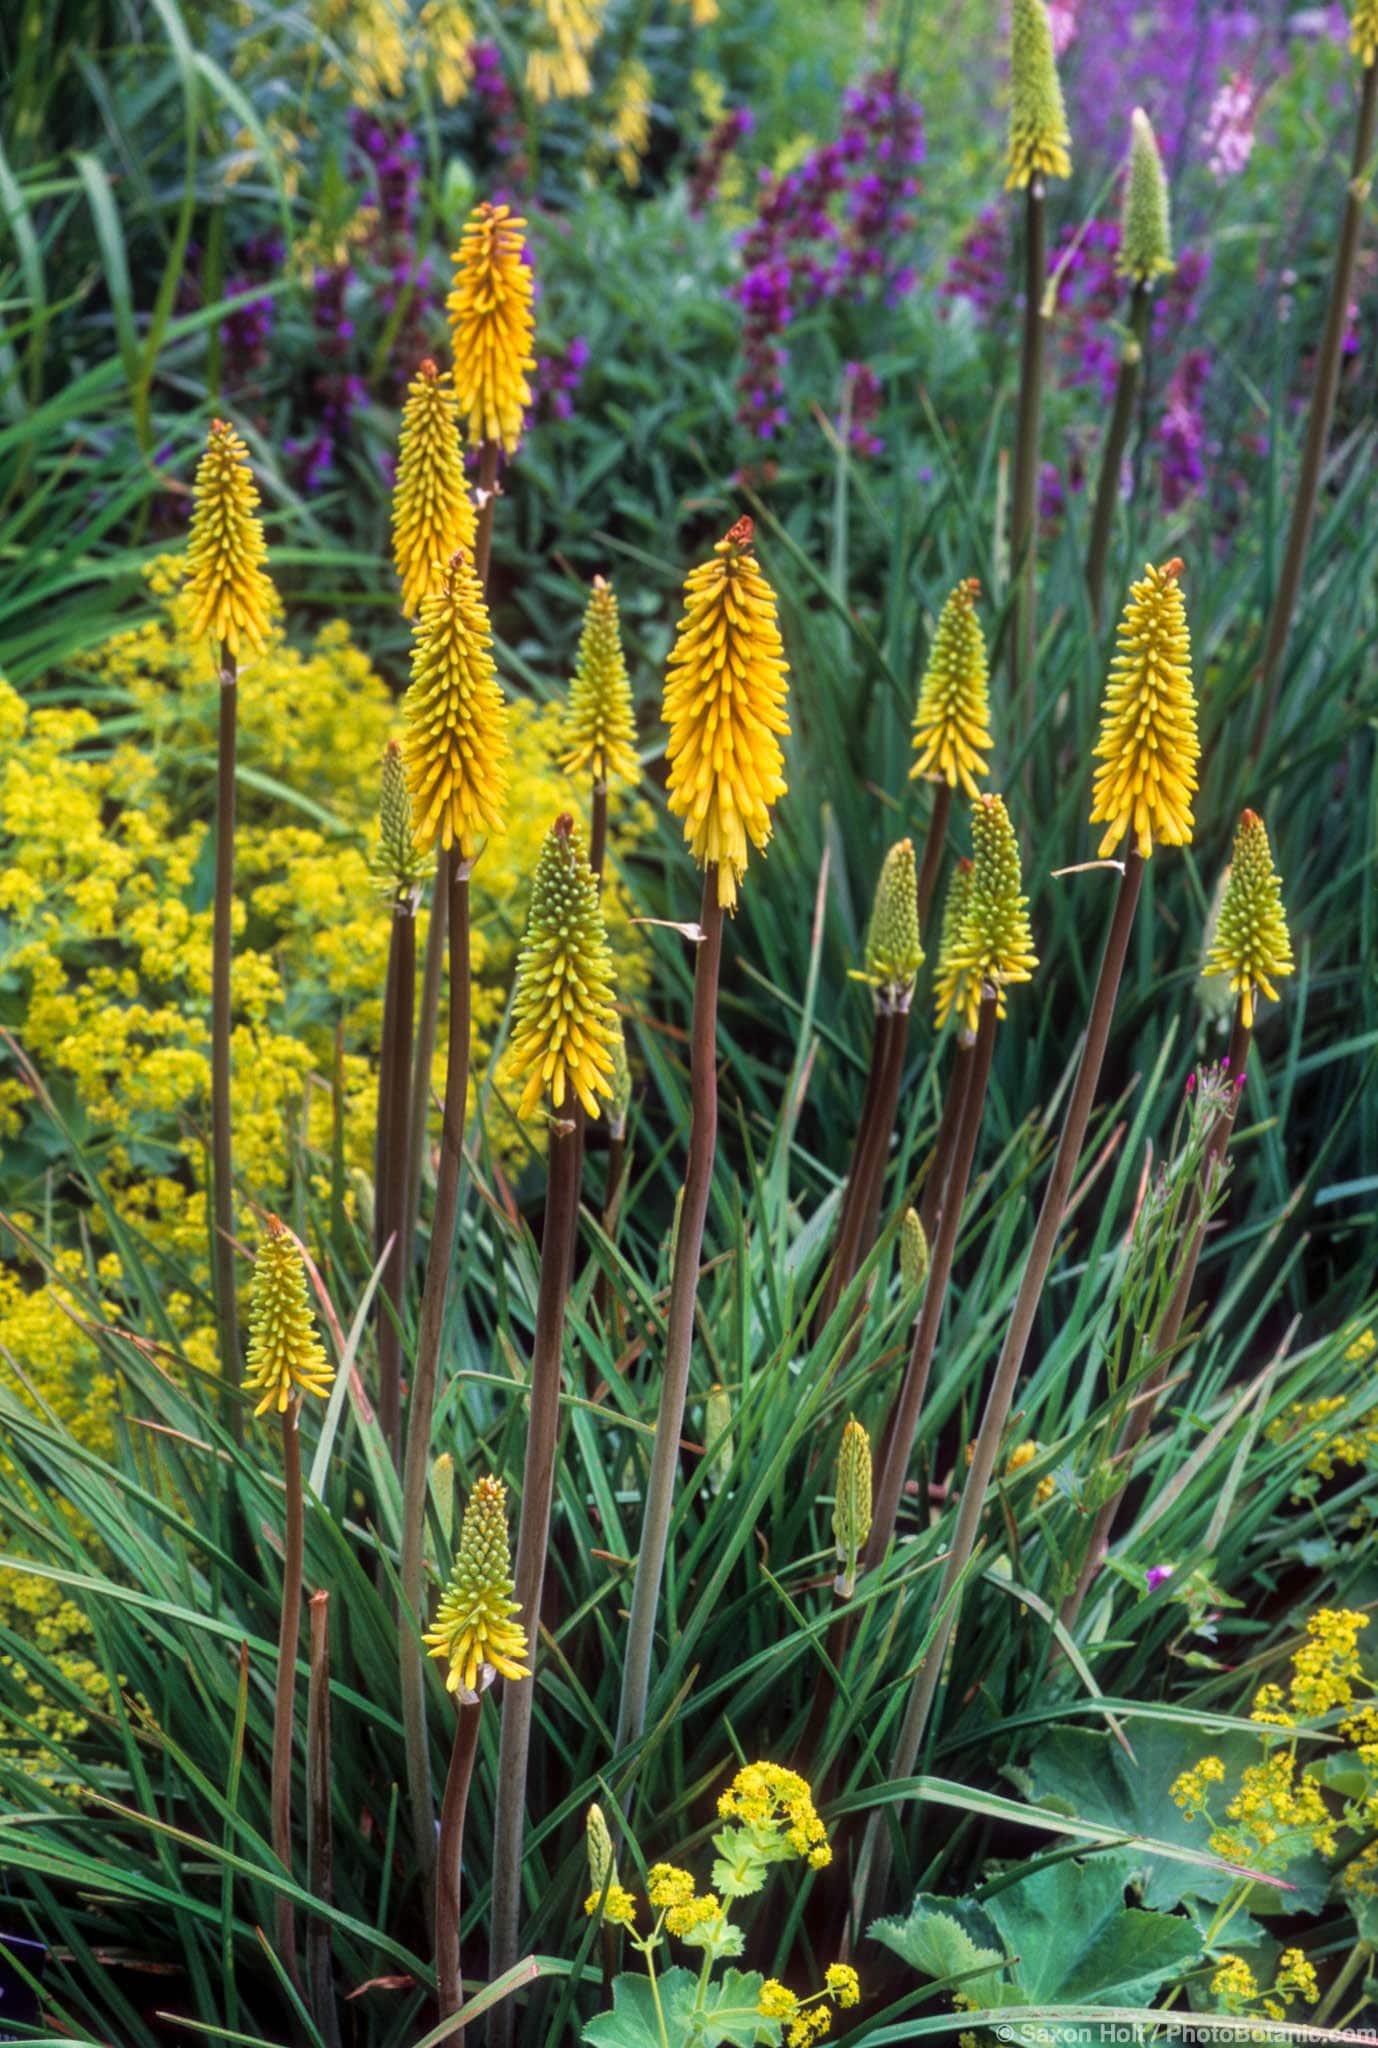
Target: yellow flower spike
(995, 945)
(852, 1508)
(564, 1028)
(432, 511)
(230, 594)
(473, 1631)
(285, 1356)
(398, 864)
(491, 325)
(455, 742)
(725, 707)
(1363, 31)
(1148, 747)
(600, 726)
(952, 722)
(949, 979)
(1040, 142)
(1251, 943)
(1145, 223)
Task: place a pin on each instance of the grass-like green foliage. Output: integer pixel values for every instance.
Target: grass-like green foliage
(134, 1823)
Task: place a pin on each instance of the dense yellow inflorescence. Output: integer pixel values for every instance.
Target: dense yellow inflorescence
(432, 511)
(491, 325)
(474, 1633)
(230, 596)
(564, 1027)
(1251, 947)
(286, 1359)
(1040, 141)
(952, 722)
(455, 746)
(1363, 31)
(725, 707)
(1148, 747)
(893, 952)
(994, 945)
(600, 724)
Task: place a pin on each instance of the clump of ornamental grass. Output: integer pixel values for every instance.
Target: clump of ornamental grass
(432, 511)
(286, 1363)
(564, 1039)
(891, 962)
(1325, 375)
(230, 601)
(1148, 752)
(477, 1637)
(454, 750)
(1145, 256)
(600, 723)
(952, 737)
(725, 707)
(1039, 149)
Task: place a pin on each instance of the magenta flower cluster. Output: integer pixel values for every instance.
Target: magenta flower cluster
(828, 230)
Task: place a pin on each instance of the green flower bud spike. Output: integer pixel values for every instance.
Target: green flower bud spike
(1145, 226)
(599, 729)
(285, 1356)
(399, 865)
(852, 1512)
(621, 1078)
(602, 1855)
(947, 982)
(564, 1027)
(717, 1437)
(893, 952)
(952, 734)
(913, 1253)
(1040, 142)
(995, 946)
(1251, 945)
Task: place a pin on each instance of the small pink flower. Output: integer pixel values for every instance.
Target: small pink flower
(1158, 1575)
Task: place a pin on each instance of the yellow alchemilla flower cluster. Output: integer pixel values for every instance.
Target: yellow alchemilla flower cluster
(560, 41)
(600, 724)
(231, 599)
(1040, 140)
(725, 707)
(1233, 1982)
(1148, 747)
(388, 42)
(810, 2019)
(1251, 948)
(491, 325)
(618, 1905)
(286, 1359)
(455, 719)
(952, 722)
(101, 855)
(769, 1797)
(564, 1026)
(1330, 1444)
(474, 1633)
(1327, 1666)
(432, 511)
(994, 945)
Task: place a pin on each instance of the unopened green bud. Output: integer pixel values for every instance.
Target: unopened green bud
(913, 1253)
(1039, 139)
(852, 1510)
(1145, 227)
(893, 952)
(621, 1078)
(717, 1437)
(398, 864)
(602, 1855)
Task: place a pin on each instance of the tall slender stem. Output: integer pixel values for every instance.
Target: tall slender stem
(419, 1110)
(873, 1130)
(1164, 1341)
(949, 1123)
(222, 955)
(533, 1541)
(320, 1836)
(449, 1983)
(885, 1125)
(1024, 500)
(898, 1439)
(390, 1177)
(1001, 1396)
(284, 1703)
(1324, 387)
(452, 880)
(1116, 442)
(933, 850)
(679, 1326)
